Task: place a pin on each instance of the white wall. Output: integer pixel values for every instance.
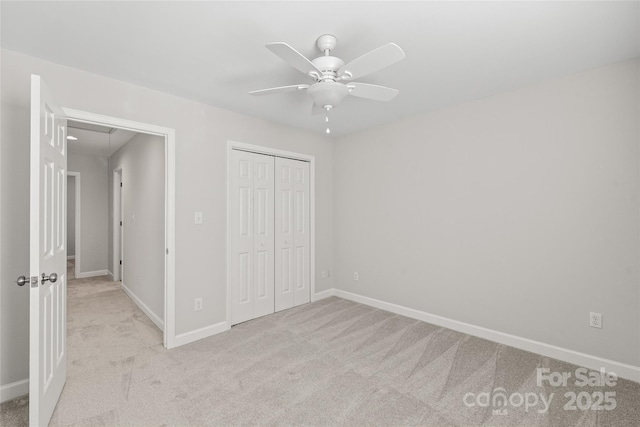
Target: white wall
(142, 163)
(518, 212)
(71, 216)
(94, 216)
(202, 133)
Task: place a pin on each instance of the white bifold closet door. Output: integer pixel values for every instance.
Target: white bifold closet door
(291, 233)
(251, 235)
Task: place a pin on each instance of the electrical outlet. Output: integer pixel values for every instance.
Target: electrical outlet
(198, 304)
(323, 274)
(355, 276)
(595, 320)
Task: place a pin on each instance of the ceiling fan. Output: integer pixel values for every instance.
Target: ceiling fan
(329, 73)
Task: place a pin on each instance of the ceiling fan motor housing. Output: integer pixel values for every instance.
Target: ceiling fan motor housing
(329, 65)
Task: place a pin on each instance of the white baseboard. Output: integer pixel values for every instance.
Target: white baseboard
(622, 370)
(71, 257)
(86, 274)
(13, 390)
(110, 274)
(322, 295)
(145, 309)
(201, 333)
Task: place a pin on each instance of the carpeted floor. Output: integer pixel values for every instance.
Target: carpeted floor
(332, 362)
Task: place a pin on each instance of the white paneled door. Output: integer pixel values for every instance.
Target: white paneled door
(291, 233)
(269, 234)
(48, 265)
(251, 225)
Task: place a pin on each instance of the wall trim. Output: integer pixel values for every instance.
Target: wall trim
(95, 273)
(198, 334)
(13, 390)
(144, 307)
(622, 370)
(322, 295)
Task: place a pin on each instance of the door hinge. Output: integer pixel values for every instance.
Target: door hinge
(120, 262)
(120, 223)
(120, 184)
(167, 250)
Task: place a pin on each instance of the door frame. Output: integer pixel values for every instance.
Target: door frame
(118, 236)
(259, 149)
(78, 222)
(169, 333)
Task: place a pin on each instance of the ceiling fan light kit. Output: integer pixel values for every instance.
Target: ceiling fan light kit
(328, 93)
(329, 72)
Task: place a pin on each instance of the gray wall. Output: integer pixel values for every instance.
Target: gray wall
(518, 212)
(71, 216)
(142, 162)
(14, 171)
(93, 210)
(202, 133)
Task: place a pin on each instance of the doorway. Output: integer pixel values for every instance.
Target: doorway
(118, 225)
(168, 136)
(74, 198)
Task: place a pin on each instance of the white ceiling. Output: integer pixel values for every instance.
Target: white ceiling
(95, 140)
(214, 52)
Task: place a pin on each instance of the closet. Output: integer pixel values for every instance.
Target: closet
(269, 235)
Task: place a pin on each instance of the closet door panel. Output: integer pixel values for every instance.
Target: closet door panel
(241, 223)
(284, 273)
(301, 234)
(264, 235)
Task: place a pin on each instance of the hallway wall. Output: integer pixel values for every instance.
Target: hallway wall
(142, 162)
(93, 211)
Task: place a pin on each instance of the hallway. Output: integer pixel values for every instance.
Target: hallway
(105, 331)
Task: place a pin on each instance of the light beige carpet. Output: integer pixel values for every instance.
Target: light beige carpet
(332, 362)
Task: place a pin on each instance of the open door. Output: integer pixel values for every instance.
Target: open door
(48, 253)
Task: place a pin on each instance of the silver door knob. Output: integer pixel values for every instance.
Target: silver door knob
(53, 277)
(25, 280)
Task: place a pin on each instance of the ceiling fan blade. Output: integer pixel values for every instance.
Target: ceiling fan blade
(292, 88)
(374, 92)
(372, 61)
(293, 57)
